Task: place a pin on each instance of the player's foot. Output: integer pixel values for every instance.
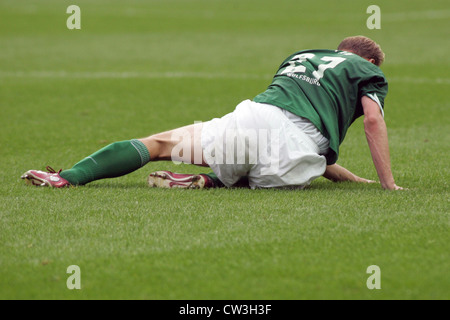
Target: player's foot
(45, 179)
(167, 179)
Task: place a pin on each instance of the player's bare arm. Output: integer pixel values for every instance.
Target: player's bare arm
(377, 138)
(337, 173)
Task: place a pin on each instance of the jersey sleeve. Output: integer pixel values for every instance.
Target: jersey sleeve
(376, 89)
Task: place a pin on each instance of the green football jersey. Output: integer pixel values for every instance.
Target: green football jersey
(326, 87)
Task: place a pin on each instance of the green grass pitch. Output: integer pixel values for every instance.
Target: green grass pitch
(141, 67)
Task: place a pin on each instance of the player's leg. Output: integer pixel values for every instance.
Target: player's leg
(123, 157)
(114, 160)
(181, 145)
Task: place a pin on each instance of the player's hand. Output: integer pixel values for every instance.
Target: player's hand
(396, 187)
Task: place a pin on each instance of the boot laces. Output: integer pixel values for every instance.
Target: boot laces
(51, 170)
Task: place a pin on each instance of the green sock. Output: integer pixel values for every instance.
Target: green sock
(114, 160)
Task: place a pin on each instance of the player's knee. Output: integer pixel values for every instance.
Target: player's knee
(158, 146)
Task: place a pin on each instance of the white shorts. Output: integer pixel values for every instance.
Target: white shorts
(258, 141)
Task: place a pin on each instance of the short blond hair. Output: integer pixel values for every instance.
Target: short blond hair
(363, 47)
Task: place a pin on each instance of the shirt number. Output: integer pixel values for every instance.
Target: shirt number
(295, 64)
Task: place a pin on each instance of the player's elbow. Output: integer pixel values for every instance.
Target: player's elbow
(372, 122)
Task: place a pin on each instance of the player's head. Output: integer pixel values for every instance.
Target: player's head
(363, 47)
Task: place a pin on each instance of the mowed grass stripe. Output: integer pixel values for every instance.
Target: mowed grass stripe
(175, 75)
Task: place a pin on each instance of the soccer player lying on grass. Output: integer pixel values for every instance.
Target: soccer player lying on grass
(285, 137)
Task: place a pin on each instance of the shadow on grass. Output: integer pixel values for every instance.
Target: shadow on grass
(318, 185)
(115, 185)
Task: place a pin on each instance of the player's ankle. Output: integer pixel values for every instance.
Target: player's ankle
(209, 182)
